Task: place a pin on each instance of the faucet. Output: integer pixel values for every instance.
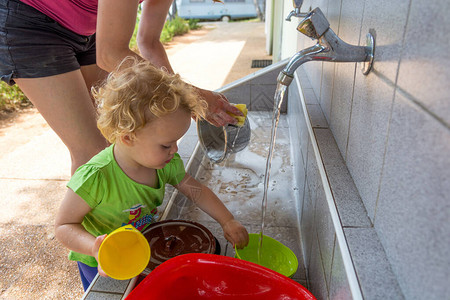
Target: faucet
(296, 12)
(328, 48)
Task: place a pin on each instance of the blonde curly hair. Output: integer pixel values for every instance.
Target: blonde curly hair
(137, 94)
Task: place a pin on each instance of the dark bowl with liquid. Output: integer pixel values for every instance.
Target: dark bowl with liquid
(171, 238)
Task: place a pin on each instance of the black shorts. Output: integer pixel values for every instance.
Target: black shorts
(32, 45)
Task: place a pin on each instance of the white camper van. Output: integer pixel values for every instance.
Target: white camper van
(209, 10)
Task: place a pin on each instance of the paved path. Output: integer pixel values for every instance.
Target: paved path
(35, 165)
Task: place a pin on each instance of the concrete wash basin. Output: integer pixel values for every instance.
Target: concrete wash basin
(238, 180)
(303, 212)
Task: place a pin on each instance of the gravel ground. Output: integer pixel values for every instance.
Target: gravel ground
(33, 264)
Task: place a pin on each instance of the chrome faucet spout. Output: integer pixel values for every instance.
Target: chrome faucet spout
(296, 11)
(329, 47)
(312, 53)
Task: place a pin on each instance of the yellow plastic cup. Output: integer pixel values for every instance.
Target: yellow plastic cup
(124, 253)
(274, 255)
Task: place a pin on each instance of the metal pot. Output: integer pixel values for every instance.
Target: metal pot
(219, 142)
(171, 238)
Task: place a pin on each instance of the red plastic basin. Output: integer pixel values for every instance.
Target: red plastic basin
(208, 276)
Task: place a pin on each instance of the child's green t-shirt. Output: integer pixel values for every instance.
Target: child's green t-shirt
(116, 199)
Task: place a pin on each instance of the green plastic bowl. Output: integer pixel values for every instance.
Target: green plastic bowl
(274, 256)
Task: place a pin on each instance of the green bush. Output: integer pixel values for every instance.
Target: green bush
(174, 27)
(166, 34)
(11, 97)
(178, 26)
(193, 24)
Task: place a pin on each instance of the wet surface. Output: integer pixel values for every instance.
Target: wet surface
(238, 182)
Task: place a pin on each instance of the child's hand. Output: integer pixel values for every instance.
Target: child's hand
(95, 248)
(235, 233)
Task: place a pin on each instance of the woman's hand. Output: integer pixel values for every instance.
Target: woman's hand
(95, 248)
(218, 106)
(235, 233)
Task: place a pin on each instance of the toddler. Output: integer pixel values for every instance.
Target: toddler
(143, 123)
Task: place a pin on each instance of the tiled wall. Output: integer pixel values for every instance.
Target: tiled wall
(392, 129)
(342, 252)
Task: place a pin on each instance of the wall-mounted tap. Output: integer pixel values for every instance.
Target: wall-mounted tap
(329, 47)
(296, 12)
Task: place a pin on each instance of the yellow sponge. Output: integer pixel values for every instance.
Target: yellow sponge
(241, 119)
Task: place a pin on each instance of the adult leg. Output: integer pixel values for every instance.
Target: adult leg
(65, 103)
(93, 75)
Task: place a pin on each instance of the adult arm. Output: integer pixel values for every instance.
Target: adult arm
(116, 20)
(153, 17)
